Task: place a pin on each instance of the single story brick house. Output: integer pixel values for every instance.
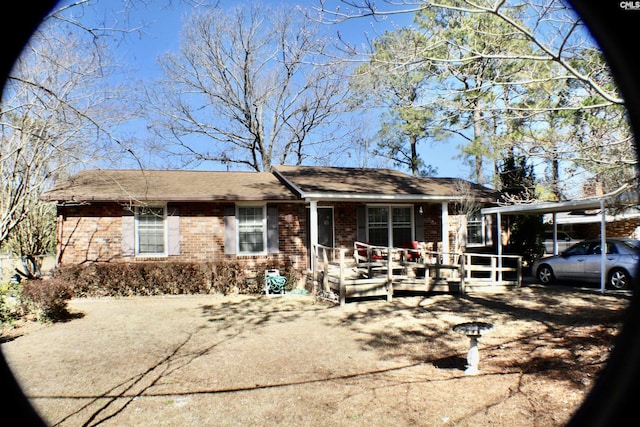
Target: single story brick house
(142, 215)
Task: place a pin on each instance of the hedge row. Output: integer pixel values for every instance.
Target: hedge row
(47, 299)
(167, 278)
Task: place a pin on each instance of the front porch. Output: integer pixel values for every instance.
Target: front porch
(369, 271)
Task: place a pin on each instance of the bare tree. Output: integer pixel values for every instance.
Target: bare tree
(250, 88)
(36, 234)
(58, 111)
(462, 212)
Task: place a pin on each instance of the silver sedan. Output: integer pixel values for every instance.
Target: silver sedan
(582, 262)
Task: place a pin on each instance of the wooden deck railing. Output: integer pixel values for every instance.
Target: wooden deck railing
(369, 270)
(489, 270)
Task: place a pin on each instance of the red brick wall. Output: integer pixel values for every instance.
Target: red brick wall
(345, 221)
(624, 228)
(90, 233)
(432, 222)
(201, 232)
(292, 221)
(93, 233)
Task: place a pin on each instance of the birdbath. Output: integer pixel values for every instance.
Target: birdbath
(473, 330)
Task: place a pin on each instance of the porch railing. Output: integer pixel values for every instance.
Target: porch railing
(485, 270)
(368, 270)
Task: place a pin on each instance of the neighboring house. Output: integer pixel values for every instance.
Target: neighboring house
(617, 213)
(586, 224)
(132, 215)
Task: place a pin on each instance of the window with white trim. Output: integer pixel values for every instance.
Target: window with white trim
(378, 225)
(151, 230)
(475, 229)
(252, 229)
(402, 225)
(389, 224)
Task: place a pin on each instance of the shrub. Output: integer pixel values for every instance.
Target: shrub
(153, 278)
(162, 278)
(227, 277)
(176, 278)
(292, 276)
(10, 307)
(142, 279)
(46, 299)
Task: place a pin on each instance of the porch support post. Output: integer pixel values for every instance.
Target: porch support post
(499, 227)
(554, 216)
(603, 247)
(313, 233)
(445, 230)
(499, 220)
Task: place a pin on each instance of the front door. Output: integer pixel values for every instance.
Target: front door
(325, 227)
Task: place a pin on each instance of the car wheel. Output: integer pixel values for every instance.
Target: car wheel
(545, 275)
(619, 279)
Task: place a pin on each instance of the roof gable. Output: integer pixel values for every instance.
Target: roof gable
(311, 181)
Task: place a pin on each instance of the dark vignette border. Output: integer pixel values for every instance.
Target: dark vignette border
(613, 24)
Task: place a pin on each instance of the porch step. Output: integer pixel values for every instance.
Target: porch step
(442, 285)
(358, 287)
(357, 281)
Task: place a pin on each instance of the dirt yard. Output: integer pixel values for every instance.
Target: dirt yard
(294, 361)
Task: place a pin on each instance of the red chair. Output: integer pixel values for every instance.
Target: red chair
(412, 252)
(365, 251)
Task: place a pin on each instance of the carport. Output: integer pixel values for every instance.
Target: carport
(553, 208)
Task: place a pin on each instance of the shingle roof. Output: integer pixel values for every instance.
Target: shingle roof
(285, 183)
(164, 185)
(312, 180)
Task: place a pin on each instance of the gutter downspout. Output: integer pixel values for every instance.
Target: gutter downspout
(59, 247)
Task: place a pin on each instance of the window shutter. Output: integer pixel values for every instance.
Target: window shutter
(173, 232)
(273, 236)
(361, 217)
(128, 233)
(419, 223)
(230, 235)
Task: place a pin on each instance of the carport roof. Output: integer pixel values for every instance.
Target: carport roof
(546, 207)
(624, 196)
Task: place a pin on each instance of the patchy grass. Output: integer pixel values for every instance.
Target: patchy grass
(259, 360)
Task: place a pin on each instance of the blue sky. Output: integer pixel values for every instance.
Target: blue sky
(163, 23)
